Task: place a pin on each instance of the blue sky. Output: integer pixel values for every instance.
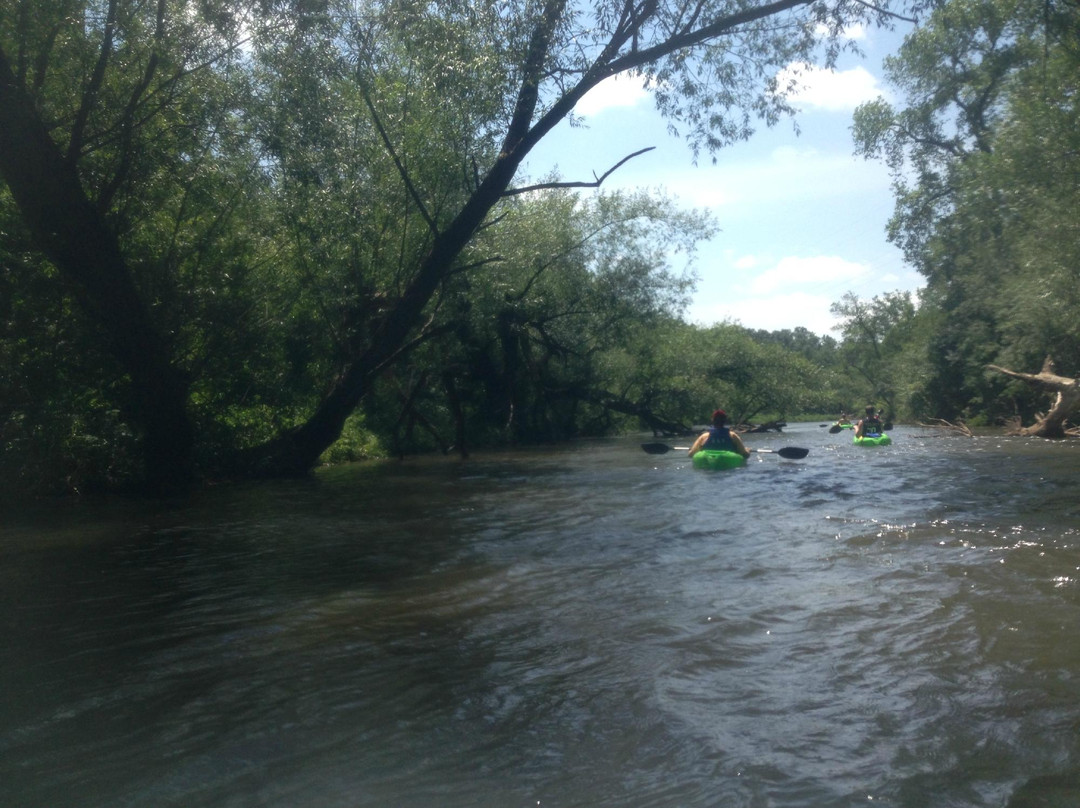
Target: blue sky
(802, 220)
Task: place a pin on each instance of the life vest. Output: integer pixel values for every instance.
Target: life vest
(719, 438)
(871, 425)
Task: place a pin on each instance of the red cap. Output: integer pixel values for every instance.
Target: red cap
(718, 414)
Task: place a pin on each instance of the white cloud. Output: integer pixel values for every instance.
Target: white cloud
(617, 91)
(806, 85)
(688, 187)
(793, 310)
(796, 291)
(786, 175)
(813, 272)
(855, 31)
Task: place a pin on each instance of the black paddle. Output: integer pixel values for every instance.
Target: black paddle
(790, 452)
(835, 428)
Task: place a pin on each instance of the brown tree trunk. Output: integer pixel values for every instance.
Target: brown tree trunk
(1066, 399)
(74, 235)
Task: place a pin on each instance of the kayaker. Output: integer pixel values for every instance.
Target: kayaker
(719, 437)
(870, 425)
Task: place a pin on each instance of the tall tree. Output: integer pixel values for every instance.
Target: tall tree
(984, 158)
(133, 135)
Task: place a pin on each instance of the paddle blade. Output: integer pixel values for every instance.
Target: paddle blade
(790, 452)
(793, 452)
(835, 428)
(656, 448)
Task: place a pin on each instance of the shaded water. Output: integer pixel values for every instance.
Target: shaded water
(587, 626)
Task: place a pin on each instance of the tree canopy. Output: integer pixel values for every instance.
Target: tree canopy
(232, 234)
(985, 157)
(244, 218)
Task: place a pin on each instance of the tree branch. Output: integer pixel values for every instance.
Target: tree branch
(533, 68)
(887, 13)
(1051, 380)
(78, 129)
(703, 34)
(397, 162)
(578, 184)
(128, 125)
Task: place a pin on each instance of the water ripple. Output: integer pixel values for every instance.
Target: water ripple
(588, 626)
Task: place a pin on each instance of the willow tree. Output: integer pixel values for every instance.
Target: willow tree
(133, 135)
(533, 352)
(985, 153)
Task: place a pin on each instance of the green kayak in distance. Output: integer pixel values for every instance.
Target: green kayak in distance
(717, 459)
(872, 440)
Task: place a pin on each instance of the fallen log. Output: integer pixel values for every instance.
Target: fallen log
(1053, 423)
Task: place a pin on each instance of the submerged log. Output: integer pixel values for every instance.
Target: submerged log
(1051, 424)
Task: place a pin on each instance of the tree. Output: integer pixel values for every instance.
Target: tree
(133, 137)
(523, 349)
(726, 365)
(984, 158)
(880, 343)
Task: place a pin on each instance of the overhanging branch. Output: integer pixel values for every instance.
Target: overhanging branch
(544, 186)
(887, 13)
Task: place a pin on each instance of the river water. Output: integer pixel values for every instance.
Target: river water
(584, 626)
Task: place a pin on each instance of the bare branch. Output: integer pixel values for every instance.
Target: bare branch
(941, 423)
(886, 12)
(578, 184)
(1051, 380)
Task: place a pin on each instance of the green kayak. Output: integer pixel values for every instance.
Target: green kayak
(873, 440)
(717, 459)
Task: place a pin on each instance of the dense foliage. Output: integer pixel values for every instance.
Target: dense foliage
(986, 161)
(244, 226)
(238, 238)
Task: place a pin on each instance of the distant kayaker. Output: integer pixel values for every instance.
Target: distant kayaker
(719, 437)
(869, 425)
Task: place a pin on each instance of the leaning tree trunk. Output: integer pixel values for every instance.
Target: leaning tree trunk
(75, 236)
(296, 452)
(1066, 400)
